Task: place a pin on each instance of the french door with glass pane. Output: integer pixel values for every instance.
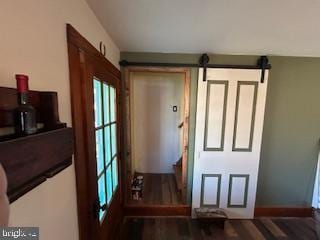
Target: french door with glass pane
(106, 143)
(102, 94)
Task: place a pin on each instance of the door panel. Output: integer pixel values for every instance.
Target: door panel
(230, 113)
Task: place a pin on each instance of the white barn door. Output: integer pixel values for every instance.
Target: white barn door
(229, 124)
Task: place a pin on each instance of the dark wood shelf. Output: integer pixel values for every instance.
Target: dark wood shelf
(29, 160)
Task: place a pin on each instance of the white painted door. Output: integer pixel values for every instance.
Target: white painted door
(229, 124)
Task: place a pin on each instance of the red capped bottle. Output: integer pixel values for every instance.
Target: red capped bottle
(25, 114)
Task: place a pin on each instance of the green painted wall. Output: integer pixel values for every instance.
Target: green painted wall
(291, 134)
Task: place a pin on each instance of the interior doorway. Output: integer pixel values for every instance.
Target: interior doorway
(157, 110)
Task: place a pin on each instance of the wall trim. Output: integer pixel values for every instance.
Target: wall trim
(283, 211)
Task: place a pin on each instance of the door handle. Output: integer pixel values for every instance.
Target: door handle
(103, 207)
(97, 207)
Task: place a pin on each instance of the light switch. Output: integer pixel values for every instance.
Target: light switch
(175, 108)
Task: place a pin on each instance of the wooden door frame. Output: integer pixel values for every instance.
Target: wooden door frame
(81, 52)
(187, 78)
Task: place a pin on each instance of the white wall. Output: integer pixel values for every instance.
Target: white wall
(156, 142)
(33, 41)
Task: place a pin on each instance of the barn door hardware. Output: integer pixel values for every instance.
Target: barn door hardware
(204, 60)
(263, 63)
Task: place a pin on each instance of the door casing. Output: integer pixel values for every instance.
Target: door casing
(127, 165)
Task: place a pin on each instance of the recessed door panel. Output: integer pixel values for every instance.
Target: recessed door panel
(244, 116)
(238, 191)
(210, 190)
(215, 115)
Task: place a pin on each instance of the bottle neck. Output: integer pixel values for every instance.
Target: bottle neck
(23, 98)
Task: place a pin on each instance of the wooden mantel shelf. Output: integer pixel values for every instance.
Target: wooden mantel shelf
(30, 160)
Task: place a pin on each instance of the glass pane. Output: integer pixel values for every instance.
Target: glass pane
(112, 104)
(109, 184)
(97, 103)
(107, 148)
(106, 103)
(113, 139)
(99, 150)
(114, 173)
(102, 194)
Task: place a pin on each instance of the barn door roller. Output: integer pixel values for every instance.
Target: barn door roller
(263, 62)
(204, 60)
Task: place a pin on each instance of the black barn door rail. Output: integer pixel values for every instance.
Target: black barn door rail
(262, 63)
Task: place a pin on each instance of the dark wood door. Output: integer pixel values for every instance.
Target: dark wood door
(95, 90)
(102, 94)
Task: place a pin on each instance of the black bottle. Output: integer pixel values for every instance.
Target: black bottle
(25, 114)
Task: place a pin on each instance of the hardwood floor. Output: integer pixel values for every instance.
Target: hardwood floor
(191, 229)
(159, 189)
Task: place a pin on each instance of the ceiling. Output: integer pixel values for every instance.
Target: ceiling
(273, 27)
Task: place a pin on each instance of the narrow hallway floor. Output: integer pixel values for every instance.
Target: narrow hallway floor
(158, 189)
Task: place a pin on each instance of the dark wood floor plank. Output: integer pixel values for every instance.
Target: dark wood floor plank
(157, 190)
(160, 229)
(147, 189)
(166, 195)
(312, 225)
(253, 230)
(301, 229)
(192, 229)
(205, 230)
(239, 228)
(149, 229)
(171, 229)
(230, 232)
(217, 231)
(195, 229)
(183, 229)
(135, 229)
(264, 230)
(173, 189)
(273, 228)
(283, 225)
